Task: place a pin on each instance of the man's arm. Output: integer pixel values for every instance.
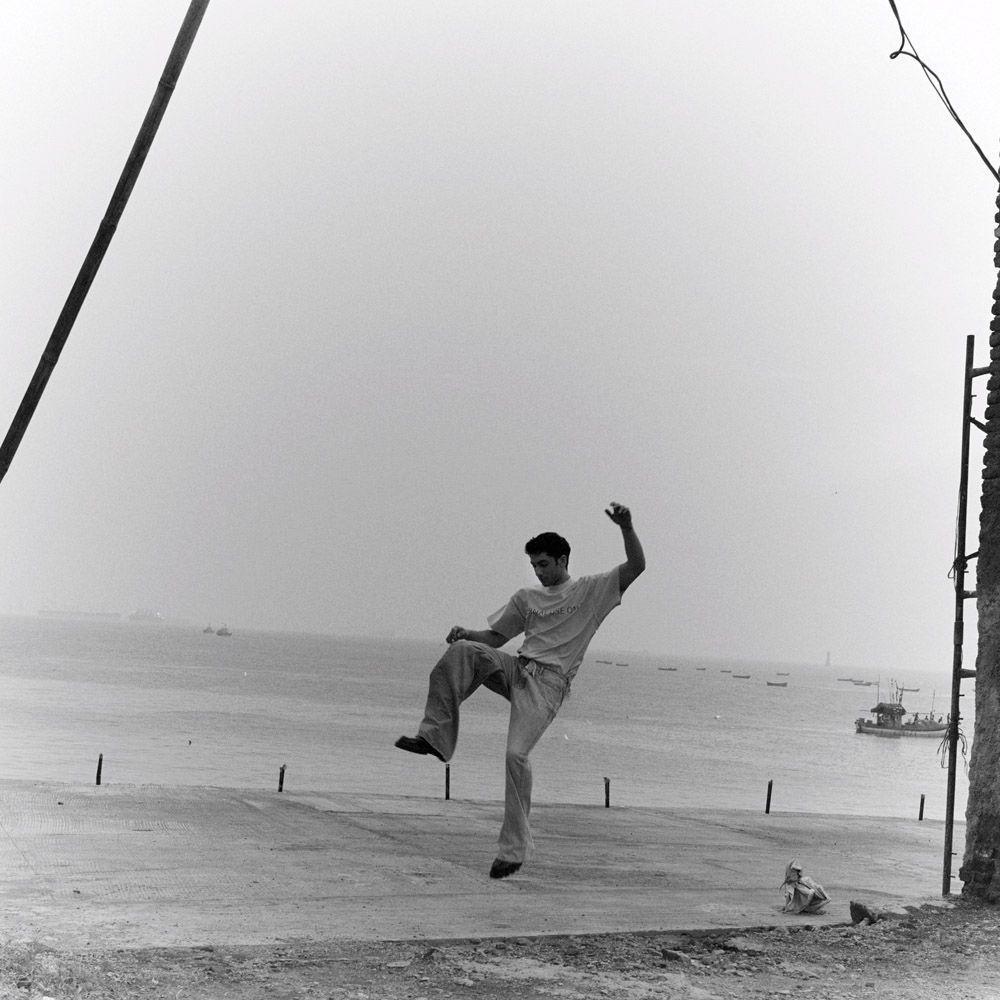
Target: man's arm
(487, 636)
(635, 560)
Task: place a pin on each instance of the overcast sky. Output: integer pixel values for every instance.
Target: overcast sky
(405, 283)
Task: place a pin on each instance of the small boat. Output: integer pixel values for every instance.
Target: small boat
(741, 677)
(621, 664)
(890, 716)
(850, 680)
(727, 671)
(782, 673)
(208, 630)
(671, 669)
(911, 690)
(866, 684)
(701, 668)
(224, 631)
(777, 684)
(608, 662)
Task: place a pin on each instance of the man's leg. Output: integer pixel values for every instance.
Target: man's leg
(464, 666)
(533, 705)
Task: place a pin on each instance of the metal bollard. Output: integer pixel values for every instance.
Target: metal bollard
(767, 805)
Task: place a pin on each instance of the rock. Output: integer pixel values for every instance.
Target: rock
(744, 946)
(674, 956)
(860, 913)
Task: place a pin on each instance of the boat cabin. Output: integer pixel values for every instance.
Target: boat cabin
(888, 714)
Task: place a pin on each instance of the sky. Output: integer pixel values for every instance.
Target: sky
(402, 285)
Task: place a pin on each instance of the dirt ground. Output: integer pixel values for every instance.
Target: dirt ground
(933, 952)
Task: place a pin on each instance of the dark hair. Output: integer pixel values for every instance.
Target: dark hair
(550, 543)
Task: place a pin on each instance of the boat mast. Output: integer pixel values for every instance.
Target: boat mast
(106, 230)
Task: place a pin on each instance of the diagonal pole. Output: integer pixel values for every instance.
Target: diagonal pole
(106, 230)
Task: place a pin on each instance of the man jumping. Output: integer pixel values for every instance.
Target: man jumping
(558, 620)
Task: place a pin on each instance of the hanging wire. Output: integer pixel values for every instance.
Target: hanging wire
(935, 82)
(963, 746)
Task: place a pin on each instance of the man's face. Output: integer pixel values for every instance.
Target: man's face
(548, 570)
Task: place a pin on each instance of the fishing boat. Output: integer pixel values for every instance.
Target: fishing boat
(890, 720)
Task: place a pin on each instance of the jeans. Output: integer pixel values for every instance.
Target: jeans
(535, 694)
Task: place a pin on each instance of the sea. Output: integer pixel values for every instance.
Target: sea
(166, 703)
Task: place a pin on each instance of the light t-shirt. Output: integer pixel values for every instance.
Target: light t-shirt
(559, 622)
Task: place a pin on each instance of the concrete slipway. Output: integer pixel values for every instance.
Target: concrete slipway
(135, 866)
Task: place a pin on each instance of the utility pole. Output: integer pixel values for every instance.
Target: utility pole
(958, 673)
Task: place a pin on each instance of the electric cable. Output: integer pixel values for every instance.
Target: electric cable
(935, 82)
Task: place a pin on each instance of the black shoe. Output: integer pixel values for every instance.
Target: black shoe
(417, 744)
(501, 869)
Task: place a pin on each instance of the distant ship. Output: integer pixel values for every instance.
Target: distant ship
(145, 615)
(89, 615)
(224, 631)
(208, 630)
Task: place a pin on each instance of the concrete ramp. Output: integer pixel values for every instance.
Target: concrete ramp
(144, 866)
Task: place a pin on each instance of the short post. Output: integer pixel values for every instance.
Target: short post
(281, 777)
(100, 764)
(607, 793)
(767, 805)
(447, 781)
(921, 816)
